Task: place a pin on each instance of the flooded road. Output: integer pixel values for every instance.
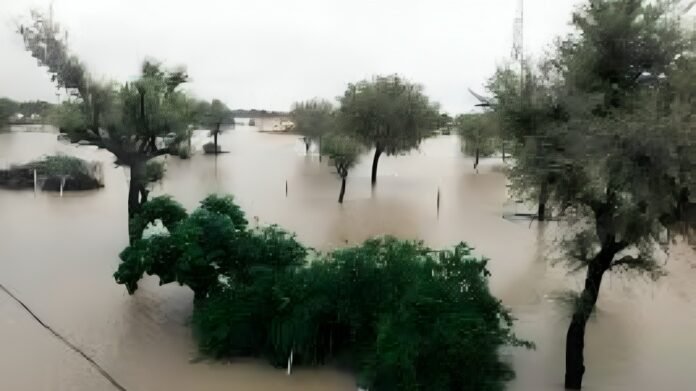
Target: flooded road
(58, 256)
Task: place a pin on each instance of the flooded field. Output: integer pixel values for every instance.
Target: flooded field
(58, 256)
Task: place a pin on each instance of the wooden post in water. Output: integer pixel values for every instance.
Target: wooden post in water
(35, 184)
(286, 188)
(438, 202)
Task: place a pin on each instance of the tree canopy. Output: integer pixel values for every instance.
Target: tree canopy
(601, 134)
(215, 116)
(480, 133)
(312, 119)
(130, 120)
(343, 151)
(389, 113)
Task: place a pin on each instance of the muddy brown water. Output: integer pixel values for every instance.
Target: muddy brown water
(58, 255)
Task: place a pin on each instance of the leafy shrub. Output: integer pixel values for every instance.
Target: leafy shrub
(69, 172)
(399, 314)
(59, 165)
(210, 148)
(154, 171)
(69, 118)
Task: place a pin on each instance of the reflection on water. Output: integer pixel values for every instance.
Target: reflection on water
(58, 255)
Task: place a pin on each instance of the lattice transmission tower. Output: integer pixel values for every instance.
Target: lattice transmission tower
(518, 39)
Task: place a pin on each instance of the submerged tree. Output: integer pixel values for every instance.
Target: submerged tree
(215, 116)
(344, 153)
(529, 111)
(147, 110)
(612, 127)
(313, 119)
(478, 131)
(388, 113)
(129, 120)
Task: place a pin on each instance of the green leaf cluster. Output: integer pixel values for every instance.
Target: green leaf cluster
(397, 313)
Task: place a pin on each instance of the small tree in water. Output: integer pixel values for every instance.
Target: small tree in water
(215, 116)
(478, 131)
(344, 153)
(388, 113)
(313, 119)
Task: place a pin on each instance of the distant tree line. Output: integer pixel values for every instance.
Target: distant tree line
(9, 108)
(254, 113)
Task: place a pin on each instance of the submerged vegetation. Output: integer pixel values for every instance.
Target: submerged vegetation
(53, 173)
(600, 134)
(397, 313)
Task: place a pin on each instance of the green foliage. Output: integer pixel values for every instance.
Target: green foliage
(215, 116)
(59, 165)
(343, 151)
(225, 205)
(43, 38)
(129, 120)
(69, 118)
(154, 171)
(399, 314)
(7, 108)
(163, 208)
(600, 142)
(388, 112)
(313, 119)
(134, 263)
(603, 132)
(480, 132)
(616, 42)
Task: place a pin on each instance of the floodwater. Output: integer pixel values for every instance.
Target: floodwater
(58, 256)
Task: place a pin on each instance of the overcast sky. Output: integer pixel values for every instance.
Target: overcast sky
(270, 53)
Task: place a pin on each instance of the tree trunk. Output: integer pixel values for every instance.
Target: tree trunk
(307, 144)
(343, 190)
(543, 197)
(575, 339)
(95, 121)
(375, 162)
(137, 191)
(476, 161)
(215, 138)
(133, 198)
(503, 147)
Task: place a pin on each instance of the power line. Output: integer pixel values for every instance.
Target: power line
(101, 370)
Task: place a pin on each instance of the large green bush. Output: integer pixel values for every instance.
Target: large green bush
(399, 314)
